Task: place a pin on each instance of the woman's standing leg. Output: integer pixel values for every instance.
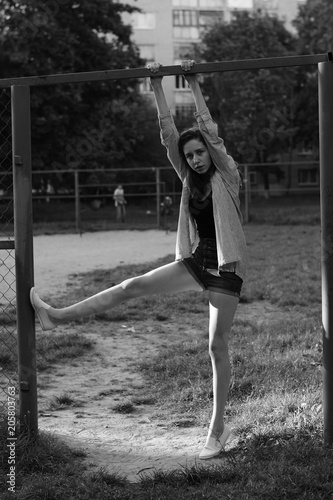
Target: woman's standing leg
(222, 308)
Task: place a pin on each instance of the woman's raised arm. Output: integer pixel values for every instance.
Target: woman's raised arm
(169, 132)
(193, 82)
(209, 129)
(156, 83)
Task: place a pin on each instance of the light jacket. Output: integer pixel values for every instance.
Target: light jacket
(230, 240)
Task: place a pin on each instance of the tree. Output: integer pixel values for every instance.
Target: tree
(315, 35)
(73, 126)
(253, 108)
(314, 26)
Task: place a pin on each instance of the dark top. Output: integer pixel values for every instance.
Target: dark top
(202, 212)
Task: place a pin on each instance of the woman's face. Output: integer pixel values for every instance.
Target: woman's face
(197, 156)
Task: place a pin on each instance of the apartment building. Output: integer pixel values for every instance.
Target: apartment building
(166, 31)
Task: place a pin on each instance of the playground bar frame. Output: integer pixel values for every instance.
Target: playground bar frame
(214, 67)
(325, 81)
(23, 210)
(23, 237)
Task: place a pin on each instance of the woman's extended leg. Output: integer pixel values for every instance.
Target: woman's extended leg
(170, 278)
(222, 308)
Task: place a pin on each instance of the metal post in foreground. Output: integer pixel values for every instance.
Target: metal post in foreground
(77, 203)
(158, 196)
(24, 257)
(325, 76)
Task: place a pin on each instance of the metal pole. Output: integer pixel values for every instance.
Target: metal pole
(158, 197)
(214, 67)
(24, 257)
(325, 76)
(77, 202)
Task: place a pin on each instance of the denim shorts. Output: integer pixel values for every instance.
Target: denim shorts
(201, 264)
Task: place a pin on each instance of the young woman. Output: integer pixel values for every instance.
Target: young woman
(210, 247)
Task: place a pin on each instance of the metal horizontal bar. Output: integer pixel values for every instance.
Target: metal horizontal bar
(279, 163)
(7, 245)
(211, 67)
(153, 169)
(305, 190)
(93, 170)
(117, 183)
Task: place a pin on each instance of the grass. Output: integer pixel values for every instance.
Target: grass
(281, 466)
(286, 210)
(64, 401)
(50, 350)
(276, 377)
(275, 399)
(60, 348)
(124, 408)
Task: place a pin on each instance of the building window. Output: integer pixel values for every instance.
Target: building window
(308, 177)
(186, 33)
(186, 24)
(181, 83)
(144, 20)
(185, 18)
(184, 3)
(215, 4)
(210, 17)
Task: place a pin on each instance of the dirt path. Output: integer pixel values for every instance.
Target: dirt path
(123, 443)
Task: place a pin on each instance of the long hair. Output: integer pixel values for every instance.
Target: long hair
(196, 182)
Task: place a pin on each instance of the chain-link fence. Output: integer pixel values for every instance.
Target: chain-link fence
(8, 338)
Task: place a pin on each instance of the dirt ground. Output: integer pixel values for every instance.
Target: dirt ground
(57, 256)
(130, 444)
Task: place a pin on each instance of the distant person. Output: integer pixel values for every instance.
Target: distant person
(120, 203)
(166, 206)
(49, 190)
(210, 250)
